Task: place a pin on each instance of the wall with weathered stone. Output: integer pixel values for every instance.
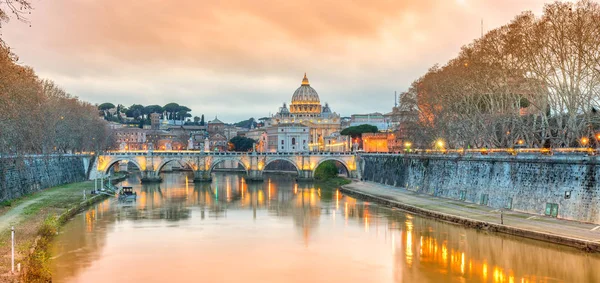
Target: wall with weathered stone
(28, 174)
(522, 182)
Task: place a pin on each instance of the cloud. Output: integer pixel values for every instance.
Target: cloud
(240, 59)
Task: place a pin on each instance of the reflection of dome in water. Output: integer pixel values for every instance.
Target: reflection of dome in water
(306, 211)
(305, 99)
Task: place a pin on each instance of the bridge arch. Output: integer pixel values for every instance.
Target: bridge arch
(116, 160)
(216, 162)
(270, 161)
(168, 160)
(340, 161)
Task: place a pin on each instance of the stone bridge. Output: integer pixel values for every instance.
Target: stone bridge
(202, 163)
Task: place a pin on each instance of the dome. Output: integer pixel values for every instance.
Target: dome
(305, 100)
(284, 109)
(305, 94)
(326, 109)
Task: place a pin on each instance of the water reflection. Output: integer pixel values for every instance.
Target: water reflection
(334, 237)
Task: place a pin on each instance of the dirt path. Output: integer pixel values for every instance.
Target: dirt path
(12, 216)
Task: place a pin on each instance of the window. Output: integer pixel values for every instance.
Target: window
(293, 141)
(303, 141)
(282, 142)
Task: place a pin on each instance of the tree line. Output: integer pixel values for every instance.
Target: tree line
(141, 114)
(534, 81)
(37, 116)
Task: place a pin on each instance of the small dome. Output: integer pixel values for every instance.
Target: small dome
(305, 93)
(326, 108)
(284, 109)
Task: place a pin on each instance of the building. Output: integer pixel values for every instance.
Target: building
(375, 142)
(130, 138)
(230, 131)
(218, 142)
(403, 122)
(260, 136)
(306, 109)
(216, 126)
(374, 119)
(337, 143)
(155, 121)
(292, 137)
(345, 122)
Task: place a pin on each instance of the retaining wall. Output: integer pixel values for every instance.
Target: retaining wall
(21, 175)
(565, 186)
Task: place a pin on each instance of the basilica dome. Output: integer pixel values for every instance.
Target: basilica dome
(305, 93)
(305, 99)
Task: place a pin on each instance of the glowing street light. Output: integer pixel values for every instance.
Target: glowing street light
(584, 141)
(440, 144)
(407, 146)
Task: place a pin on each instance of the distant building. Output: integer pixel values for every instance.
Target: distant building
(291, 137)
(154, 121)
(375, 142)
(375, 119)
(260, 136)
(337, 143)
(345, 122)
(130, 138)
(306, 109)
(218, 142)
(216, 126)
(403, 122)
(115, 125)
(230, 131)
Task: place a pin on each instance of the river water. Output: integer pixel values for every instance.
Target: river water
(281, 231)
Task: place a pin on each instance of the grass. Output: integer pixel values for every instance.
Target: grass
(38, 220)
(334, 182)
(7, 204)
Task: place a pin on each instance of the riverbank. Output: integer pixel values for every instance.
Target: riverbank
(584, 236)
(36, 218)
(333, 183)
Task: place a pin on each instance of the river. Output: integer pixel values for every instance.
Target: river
(282, 231)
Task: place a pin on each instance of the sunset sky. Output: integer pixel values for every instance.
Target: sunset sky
(241, 59)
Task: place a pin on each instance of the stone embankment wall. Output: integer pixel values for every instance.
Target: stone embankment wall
(563, 185)
(22, 175)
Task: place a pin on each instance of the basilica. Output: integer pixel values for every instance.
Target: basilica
(306, 111)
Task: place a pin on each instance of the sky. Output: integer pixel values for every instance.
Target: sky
(242, 59)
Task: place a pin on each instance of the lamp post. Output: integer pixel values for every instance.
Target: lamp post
(440, 144)
(584, 141)
(12, 252)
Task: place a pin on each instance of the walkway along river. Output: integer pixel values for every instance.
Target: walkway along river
(281, 231)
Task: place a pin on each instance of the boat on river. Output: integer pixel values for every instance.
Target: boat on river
(127, 194)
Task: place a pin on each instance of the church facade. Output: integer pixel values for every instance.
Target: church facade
(306, 109)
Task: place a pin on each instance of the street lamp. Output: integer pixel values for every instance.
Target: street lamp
(440, 144)
(584, 141)
(407, 146)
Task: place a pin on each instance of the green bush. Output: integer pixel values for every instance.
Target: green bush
(326, 170)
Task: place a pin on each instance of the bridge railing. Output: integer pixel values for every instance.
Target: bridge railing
(494, 151)
(227, 153)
